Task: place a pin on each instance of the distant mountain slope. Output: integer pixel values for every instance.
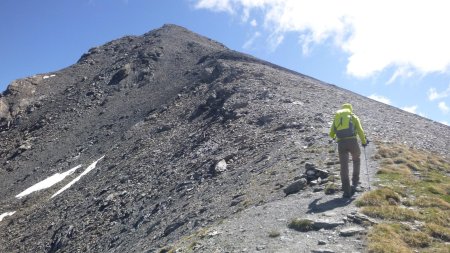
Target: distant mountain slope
(165, 109)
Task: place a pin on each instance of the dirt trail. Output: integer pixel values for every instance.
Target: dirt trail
(250, 230)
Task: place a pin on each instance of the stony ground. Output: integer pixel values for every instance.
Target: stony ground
(195, 138)
(264, 228)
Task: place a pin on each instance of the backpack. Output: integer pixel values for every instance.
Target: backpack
(343, 124)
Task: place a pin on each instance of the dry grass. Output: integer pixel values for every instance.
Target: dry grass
(435, 215)
(331, 188)
(397, 238)
(167, 249)
(427, 201)
(384, 239)
(416, 187)
(302, 225)
(378, 197)
(439, 232)
(394, 213)
(437, 249)
(400, 169)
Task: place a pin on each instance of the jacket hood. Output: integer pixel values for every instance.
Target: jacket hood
(348, 107)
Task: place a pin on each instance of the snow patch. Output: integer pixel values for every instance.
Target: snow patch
(87, 170)
(48, 182)
(46, 77)
(3, 215)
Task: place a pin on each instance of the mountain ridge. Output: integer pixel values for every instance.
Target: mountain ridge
(165, 109)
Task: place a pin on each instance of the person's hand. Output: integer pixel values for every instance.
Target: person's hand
(367, 143)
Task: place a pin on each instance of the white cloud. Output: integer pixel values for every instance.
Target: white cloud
(215, 5)
(252, 39)
(434, 94)
(399, 73)
(443, 107)
(380, 99)
(409, 36)
(275, 40)
(254, 23)
(411, 109)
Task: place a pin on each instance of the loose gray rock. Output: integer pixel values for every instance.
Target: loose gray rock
(362, 219)
(309, 166)
(322, 251)
(327, 224)
(350, 231)
(295, 187)
(220, 167)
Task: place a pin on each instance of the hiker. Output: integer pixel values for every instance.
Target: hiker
(345, 127)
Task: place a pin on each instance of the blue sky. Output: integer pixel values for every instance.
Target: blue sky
(393, 51)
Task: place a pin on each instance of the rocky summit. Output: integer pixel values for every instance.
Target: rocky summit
(149, 141)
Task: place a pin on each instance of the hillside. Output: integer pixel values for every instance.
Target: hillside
(178, 133)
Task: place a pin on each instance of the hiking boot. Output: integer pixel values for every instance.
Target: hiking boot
(356, 188)
(353, 189)
(347, 195)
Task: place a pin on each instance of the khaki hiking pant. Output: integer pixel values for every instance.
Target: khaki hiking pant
(345, 147)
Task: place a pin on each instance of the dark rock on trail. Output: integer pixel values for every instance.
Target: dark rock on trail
(295, 186)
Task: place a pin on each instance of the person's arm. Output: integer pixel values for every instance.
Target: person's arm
(332, 133)
(359, 129)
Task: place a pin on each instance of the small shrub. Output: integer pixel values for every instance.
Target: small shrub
(302, 225)
(331, 188)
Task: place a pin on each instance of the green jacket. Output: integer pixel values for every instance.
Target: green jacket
(356, 123)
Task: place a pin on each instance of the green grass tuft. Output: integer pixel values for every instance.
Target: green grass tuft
(378, 197)
(331, 188)
(384, 239)
(394, 213)
(439, 232)
(302, 225)
(416, 188)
